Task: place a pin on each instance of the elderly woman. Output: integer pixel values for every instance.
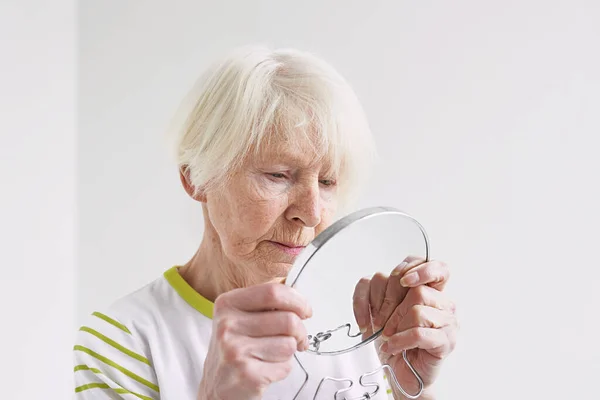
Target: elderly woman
(272, 147)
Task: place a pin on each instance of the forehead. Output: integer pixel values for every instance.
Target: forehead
(303, 153)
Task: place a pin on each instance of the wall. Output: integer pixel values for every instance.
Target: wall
(486, 118)
(37, 201)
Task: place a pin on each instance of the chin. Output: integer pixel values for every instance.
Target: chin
(277, 270)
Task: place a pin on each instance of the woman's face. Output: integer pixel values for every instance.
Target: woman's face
(270, 209)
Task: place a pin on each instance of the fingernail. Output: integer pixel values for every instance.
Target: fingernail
(376, 328)
(305, 345)
(385, 338)
(309, 312)
(363, 330)
(399, 268)
(384, 347)
(409, 279)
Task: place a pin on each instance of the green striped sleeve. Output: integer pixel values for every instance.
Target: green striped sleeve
(111, 321)
(116, 345)
(89, 386)
(86, 368)
(116, 366)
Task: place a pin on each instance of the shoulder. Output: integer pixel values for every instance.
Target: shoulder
(151, 312)
(123, 320)
(111, 350)
(133, 313)
(139, 306)
(122, 324)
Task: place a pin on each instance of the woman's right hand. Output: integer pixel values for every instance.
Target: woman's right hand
(256, 331)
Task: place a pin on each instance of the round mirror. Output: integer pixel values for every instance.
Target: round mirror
(329, 270)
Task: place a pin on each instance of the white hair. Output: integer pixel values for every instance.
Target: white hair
(256, 93)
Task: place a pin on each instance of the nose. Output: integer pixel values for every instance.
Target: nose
(305, 207)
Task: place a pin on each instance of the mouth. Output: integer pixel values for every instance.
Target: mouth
(289, 248)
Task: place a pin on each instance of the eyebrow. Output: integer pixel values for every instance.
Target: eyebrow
(293, 160)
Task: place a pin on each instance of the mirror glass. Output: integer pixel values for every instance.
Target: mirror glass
(327, 272)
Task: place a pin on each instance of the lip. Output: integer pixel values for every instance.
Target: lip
(289, 248)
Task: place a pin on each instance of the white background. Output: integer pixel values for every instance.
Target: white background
(486, 116)
(37, 199)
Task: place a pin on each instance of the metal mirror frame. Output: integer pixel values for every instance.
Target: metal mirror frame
(301, 262)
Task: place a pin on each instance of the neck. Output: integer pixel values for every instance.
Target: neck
(203, 278)
(210, 272)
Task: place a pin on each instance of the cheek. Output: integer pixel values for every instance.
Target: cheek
(256, 218)
(261, 188)
(327, 213)
(326, 221)
(266, 202)
(251, 219)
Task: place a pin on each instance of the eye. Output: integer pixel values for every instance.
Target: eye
(327, 182)
(277, 175)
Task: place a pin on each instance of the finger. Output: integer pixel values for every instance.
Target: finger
(377, 294)
(433, 273)
(451, 332)
(395, 293)
(425, 317)
(271, 323)
(360, 304)
(428, 339)
(272, 349)
(265, 297)
(423, 320)
(407, 264)
(420, 295)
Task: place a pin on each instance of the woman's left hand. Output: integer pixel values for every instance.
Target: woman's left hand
(416, 316)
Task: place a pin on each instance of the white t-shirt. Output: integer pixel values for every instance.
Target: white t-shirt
(152, 345)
